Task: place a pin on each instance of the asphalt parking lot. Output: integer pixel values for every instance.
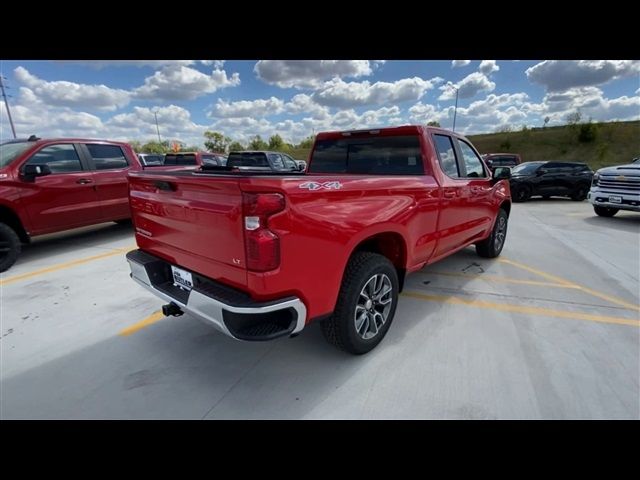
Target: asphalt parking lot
(548, 330)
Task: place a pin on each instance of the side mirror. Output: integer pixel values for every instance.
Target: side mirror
(501, 173)
(541, 171)
(33, 171)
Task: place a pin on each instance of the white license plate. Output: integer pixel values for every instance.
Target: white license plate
(615, 199)
(182, 278)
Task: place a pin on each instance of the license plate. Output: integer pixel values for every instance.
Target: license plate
(615, 199)
(182, 278)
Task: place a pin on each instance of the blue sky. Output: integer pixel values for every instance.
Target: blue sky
(117, 99)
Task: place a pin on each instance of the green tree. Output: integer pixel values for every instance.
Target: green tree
(136, 145)
(155, 147)
(307, 142)
(235, 147)
(433, 123)
(216, 141)
(587, 133)
(574, 118)
(276, 142)
(256, 143)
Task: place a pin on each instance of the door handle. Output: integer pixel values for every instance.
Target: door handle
(84, 181)
(449, 193)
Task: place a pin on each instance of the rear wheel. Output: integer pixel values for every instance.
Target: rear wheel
(546, 197)
(9, 247)
(366, 304)
(580, 193)
(521, 193)
(124, 221)
(492, 246)
(605, 211)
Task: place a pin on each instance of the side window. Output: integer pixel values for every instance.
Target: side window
(472, 162)
(289, 162)
(446, 155)
(61, 158)
(276, 160)
(106, 157)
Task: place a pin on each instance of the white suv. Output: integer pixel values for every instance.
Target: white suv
(616, 188)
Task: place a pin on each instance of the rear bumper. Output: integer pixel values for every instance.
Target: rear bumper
(628, 201)
(232, 312)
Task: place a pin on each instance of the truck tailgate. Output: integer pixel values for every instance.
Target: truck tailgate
(194, 224)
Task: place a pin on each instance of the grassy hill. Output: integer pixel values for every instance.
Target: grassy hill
(615, 143)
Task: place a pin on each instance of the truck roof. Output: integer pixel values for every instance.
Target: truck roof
(63, 139)
(387, 131)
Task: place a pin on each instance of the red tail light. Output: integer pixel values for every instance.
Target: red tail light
(262, 246)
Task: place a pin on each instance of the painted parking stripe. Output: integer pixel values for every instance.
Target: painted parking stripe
(505, 307)
(150, 320)
(554, 278)
(62, 266)
(499, 279)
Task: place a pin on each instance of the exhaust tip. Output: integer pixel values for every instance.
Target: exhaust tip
(171, 310)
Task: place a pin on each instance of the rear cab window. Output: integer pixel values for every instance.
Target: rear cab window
(247, 159)
(175, 159)
(107, 157)
(392, 155)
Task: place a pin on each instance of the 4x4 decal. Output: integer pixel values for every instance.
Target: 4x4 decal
(317, 186)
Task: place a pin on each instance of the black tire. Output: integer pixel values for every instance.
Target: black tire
(10, 247)
(605, 211)
(493, 244)
(124, 221)
(546, 197)
(580, 193)
(340, 328)
(521, 193)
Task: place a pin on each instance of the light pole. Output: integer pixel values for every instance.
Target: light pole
(6, 104)
(455, 110)
(155, 113)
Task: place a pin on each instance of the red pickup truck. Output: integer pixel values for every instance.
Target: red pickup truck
(57, 184)
(259, 255)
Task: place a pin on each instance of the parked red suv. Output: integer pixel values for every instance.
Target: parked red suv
(57, 184)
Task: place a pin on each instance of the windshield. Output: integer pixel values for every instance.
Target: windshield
(526, 168)
(10, 151)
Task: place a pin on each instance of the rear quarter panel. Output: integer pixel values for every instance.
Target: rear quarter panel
(320, 229)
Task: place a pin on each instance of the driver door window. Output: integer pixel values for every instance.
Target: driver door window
(61, 158)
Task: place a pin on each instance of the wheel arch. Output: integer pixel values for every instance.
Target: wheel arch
(11, 218)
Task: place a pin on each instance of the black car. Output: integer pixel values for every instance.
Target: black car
(546, 179)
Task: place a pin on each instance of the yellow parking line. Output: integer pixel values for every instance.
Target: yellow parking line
(151, 319)
(594, 293)
(547, 312)
(495, 278)
(62, 266)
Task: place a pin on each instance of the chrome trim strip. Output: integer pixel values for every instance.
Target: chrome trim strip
(209, 309)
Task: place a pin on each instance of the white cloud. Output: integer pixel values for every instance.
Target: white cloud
(303, 103)
(337, 93)
(468, 87)
(70, 94)
(561, 75)
(299, 104)
(488, 66)
(459, 63)
(309, 73)
(247, 108)
(178, 82)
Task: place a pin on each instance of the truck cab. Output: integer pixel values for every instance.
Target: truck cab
(50, 185)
